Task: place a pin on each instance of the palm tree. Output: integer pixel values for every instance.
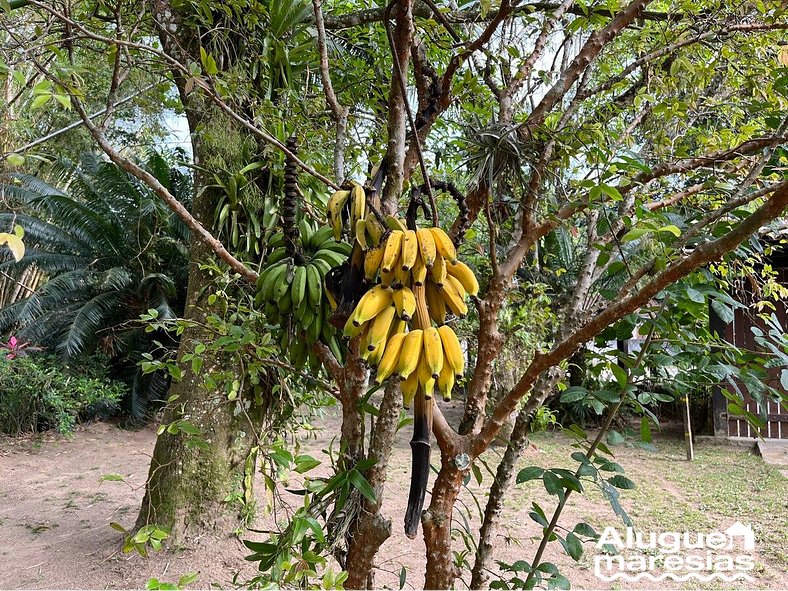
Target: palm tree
(109, 251)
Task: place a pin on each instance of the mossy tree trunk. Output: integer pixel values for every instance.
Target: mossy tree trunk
(200, 489)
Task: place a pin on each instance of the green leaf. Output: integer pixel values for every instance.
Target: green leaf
(620, 374)
(558, 582)
(584, 529)
(670, 230)
(723, 310)
(40, 101)
(574, 546)
(188, 428)
(573, 394)
(530, 473)
(118, 527)
(357, 480)
(695, 296)
(304, 463)
(15, 159)
(634, 234)
(615, 438)
(622, 482)
(208, 63)
(645, 430)
(64, 100)
(188, 579)
(552, 484)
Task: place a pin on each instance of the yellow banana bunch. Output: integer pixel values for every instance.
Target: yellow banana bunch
(405, 265)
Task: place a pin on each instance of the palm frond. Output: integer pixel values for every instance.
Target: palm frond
(91, 317)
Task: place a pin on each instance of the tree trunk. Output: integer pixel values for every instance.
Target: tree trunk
(436, 523)
(372, 528)
(504, 477)
(188, 485)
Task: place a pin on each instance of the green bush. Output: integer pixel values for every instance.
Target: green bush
(40, 392)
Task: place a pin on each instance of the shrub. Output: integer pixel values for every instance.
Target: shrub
(39, 392)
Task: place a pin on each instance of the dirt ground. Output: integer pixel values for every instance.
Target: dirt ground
(55, 512)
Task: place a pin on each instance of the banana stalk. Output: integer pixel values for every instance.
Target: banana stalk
(422, 431)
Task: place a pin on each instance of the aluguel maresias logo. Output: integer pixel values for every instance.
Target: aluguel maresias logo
(633, 555)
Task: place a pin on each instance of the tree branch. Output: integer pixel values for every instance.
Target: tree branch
(701, 255)
(590, 50)
(176, 206)
(422, 10)
(339, 112)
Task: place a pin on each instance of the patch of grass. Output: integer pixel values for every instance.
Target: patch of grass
(722, 485)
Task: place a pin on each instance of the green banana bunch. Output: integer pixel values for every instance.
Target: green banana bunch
(290, 291)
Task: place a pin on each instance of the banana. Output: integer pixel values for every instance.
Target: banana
(272, 280)
(362, 345)
(452, 352)
(435, 304)
(444, 245)
(388, 363)
(395, 223)
(404, 303)
(457, 285)
(276, 255)
(305, 231)
(446, 381)
(409, 388)
(433, 351)
(262, 280)
(332, 301)
(391, 251)
(425, 378)
(314, 285)
(465, 276)
(285, 303)
(359, 204)
(410, 250)
(438, 271)
(305, 314)
(328, 331)
(298, 354)
(397, 326)
(371, 303)
(374, 228)
(298, 289)
(322, 265)
(361, 234)
(313, 331)
(379, 330)
(343, 248)
(427, 248)
(387, 279)
(353, 330)
(333, 258)
(419, 272)
(410, 354)
(336, 203)
(453, 298)
(401, 277)
(336, 349)
(322, 234)
(372, 261)
(282, 286)
(374, 356)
